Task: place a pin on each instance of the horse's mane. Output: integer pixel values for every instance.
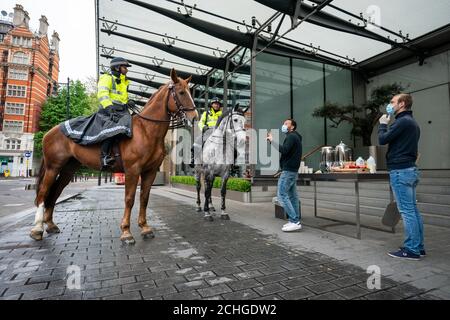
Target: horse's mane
(153, 96)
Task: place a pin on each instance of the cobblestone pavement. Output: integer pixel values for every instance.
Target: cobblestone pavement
(188, 259)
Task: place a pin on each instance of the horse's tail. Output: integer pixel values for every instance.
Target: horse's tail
(39, 179)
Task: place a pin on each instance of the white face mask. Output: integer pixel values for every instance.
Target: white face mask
(284, 129)
(390, 110)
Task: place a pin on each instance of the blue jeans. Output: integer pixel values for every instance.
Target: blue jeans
(404, 183)
(288, 196)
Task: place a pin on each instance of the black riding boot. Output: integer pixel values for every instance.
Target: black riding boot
(106, 160)
(192, 164)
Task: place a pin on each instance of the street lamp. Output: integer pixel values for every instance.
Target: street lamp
(28, 156)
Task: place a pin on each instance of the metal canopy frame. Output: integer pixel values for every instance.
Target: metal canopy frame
(301, 12)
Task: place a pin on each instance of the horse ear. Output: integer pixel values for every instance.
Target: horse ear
(174, 76)
(245, 110)
(188, 80)
(236, 107)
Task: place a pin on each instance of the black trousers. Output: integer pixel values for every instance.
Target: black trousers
(114, 113)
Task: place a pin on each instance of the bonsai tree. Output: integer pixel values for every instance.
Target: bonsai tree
(363, 118)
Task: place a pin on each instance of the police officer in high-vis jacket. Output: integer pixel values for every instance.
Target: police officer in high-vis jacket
(208, 121)
(113, 98)
(209, 118)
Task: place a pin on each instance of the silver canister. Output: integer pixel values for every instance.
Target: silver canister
(343, 153)
(327, 158)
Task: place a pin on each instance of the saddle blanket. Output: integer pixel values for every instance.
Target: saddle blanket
(106, 123)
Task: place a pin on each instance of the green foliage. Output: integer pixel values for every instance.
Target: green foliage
(54, 111)
(234, 184)
(371, 112)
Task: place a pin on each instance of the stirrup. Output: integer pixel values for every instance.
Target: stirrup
(107, 162)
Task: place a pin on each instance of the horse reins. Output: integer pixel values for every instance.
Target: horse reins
(180, 114)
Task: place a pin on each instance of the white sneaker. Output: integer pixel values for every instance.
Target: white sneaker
(292, 227)
(287, 224)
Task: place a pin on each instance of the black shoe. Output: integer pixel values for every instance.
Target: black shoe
(404, 254)
(423, 253)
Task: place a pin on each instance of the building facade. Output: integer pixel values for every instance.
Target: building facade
(29, 71)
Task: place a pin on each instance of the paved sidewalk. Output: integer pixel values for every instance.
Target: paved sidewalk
(431, 273)
(188, 259)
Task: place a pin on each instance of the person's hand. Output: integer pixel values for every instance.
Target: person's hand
(385, 119)
(131, 104)
(269, 137)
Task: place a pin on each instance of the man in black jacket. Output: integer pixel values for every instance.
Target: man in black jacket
(291, 154)
(403, 139)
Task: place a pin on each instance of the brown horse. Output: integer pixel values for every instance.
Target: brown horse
(142, 155)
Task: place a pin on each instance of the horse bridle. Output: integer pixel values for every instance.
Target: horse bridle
(230, 120)
(232, 124)
(179, 115)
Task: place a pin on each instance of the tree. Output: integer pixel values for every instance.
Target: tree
(370, 112)
(54, 111)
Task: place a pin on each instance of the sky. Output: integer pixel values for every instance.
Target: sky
(75, 23)
(74, 20)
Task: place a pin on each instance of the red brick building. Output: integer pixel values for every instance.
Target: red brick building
(29, 69)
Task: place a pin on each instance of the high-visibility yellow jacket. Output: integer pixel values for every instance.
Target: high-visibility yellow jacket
(109, 92)
(209, 118)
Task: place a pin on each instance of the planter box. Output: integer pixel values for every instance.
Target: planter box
(231, 195)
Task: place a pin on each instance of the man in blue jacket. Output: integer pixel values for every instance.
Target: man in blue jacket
(291, 154)
(403, 139)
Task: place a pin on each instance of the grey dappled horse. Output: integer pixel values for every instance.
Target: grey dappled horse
(218, 157)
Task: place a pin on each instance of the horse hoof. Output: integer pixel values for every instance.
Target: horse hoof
(225, 217)
(148, 235)
(37, 235)
(53, 230)
(199, 209)
(128, 240)
(209, 219)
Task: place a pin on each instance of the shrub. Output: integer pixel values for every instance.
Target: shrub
(234, 184)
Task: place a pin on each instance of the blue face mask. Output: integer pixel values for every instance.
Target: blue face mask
(284, 129)
(390, 110)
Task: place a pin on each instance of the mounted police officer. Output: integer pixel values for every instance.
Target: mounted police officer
(113, 98)
(206, 125)
(113, 118)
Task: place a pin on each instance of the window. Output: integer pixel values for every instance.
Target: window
(13, 144)
(13, 126)
(18, 74)
(15, 108)
(22, 42)
(17, 91)
(20, 58)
